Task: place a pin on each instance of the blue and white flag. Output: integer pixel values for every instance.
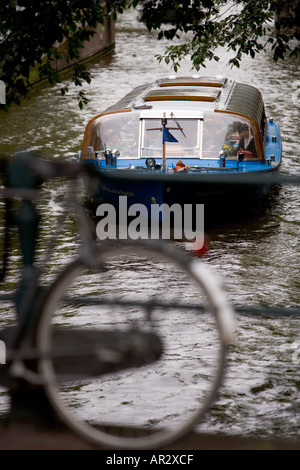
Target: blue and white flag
(167, 136)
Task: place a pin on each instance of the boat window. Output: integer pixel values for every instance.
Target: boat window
(179, 135)
(227, 134)
(205, 138)
(114, 132)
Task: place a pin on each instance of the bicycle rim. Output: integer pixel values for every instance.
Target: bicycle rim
(146, 288)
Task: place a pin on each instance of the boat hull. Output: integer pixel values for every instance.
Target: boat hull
(222, 196)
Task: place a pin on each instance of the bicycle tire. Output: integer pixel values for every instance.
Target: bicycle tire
(162, 383)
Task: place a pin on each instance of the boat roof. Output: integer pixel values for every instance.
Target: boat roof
(206, 93)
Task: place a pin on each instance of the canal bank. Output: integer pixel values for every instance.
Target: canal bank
(102, 42)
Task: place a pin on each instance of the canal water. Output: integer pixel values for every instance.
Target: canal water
(257, 258)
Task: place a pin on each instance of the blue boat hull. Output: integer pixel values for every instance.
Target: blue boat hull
(222, 199)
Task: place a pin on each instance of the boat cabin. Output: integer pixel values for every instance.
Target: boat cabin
(202, 122)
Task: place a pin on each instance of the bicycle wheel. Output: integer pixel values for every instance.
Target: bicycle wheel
(138, 345)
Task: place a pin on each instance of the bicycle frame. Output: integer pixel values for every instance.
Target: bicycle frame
(24, 176)
(33, 352)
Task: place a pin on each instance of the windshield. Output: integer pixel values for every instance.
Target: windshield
(204, 138)
(181, 137)
(113, 132)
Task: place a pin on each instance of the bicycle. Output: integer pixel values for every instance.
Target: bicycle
(123, 361)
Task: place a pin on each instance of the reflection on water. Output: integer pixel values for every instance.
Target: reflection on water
(258, 258)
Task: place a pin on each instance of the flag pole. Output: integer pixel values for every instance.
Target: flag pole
(164, 142)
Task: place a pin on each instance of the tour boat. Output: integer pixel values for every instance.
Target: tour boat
(183, 140)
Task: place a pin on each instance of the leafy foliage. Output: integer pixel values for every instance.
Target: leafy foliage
(241, 26)
(31, 30)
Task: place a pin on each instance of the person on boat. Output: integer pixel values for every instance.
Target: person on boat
(115, 137)
(234, 131)
(246, 141)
